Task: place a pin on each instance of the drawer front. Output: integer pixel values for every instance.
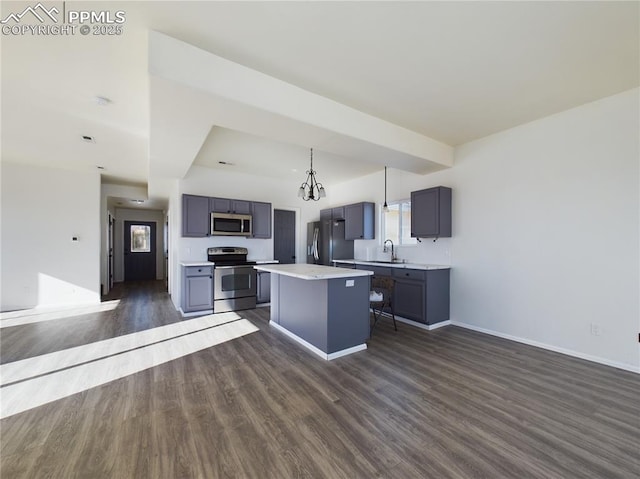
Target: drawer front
(416, 274)
(198, 270)
(377, 270)
(345, 265)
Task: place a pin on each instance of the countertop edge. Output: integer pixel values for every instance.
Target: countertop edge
(195, 263)
(311, 277)
(393, 265)
(209, 263)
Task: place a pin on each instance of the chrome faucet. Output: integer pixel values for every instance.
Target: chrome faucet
(384, 249)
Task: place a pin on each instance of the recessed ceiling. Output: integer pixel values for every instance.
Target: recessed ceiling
(251, 154)
(452, 71)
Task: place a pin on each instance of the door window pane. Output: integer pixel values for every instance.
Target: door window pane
(140, 239)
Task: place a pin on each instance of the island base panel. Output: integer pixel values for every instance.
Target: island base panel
(302, 308)
(348, 313)
(326, 313)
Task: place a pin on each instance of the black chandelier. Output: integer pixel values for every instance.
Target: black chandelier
(311, 189)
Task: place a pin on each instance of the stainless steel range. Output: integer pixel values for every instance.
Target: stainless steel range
(234, 279)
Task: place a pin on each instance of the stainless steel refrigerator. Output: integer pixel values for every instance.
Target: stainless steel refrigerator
(325, 242)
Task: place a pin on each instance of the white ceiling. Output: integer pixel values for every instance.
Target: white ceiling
(451, 71)
(247, 153)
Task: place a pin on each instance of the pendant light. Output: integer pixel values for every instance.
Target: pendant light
(311, 189)
(385, 207)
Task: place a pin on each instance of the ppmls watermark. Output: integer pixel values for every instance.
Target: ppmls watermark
(40, 20)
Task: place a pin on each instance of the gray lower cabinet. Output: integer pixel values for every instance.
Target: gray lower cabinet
(197, 288)
(420, 295)
(261, 213)
(195, 216)
(409, 298)
(344, 265)
(437, 295)
(263, 293)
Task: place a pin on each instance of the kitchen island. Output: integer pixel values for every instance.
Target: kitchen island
(325, 309)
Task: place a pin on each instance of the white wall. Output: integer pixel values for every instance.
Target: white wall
(546, 230)
(130, 214)
(42, 209)
(209, 182)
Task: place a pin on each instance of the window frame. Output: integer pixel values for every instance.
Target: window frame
(402, 241)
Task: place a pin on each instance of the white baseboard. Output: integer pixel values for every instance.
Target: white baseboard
(195, 313)
(415, 324)
(426, 327)
(549, 347)
(345, 352)
(315, 350)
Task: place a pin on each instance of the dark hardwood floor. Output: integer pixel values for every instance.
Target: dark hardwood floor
(416, 404)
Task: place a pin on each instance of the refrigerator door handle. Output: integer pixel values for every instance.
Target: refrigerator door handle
(316, 255)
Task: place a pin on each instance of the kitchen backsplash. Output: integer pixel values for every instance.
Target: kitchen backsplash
(195, 249)
(427, 252)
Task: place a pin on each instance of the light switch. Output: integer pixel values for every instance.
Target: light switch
(349, 283)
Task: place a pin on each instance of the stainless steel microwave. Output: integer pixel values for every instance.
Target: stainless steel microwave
(227, 224)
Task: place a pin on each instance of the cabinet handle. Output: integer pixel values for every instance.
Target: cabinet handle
(199, 271)
(210, 277)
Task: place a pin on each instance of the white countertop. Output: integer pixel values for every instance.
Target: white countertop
(209, 263)
(392, 265)
(312, 271)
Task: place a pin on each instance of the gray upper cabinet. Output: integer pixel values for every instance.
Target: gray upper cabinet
(225, 205)
(195, 216)
(431, 213)
(261, 213)
(359, 221)
(325, 214)
(337, 213)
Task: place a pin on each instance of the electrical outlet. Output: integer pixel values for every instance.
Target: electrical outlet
(595, 329)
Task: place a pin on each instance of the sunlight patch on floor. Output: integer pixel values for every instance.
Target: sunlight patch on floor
(54, 376)
(38, 315)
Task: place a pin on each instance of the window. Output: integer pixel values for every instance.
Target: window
(397, 223)
(140, 239)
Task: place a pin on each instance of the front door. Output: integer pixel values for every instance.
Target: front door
(284, 236)
(139, 250)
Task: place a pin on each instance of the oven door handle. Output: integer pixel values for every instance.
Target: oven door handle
(234, 267)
